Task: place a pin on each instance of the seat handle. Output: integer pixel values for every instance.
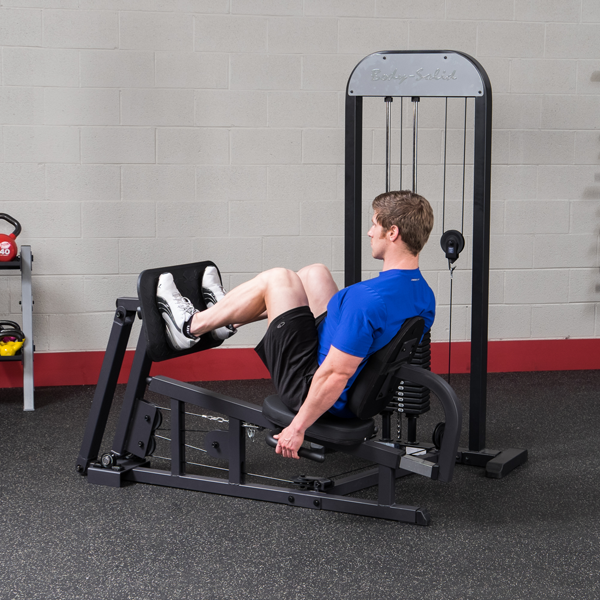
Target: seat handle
(303, 452)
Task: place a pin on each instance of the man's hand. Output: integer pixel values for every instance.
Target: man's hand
(289, 442)
(328, 383)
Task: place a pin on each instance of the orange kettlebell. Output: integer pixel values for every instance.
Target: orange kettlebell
(8, 246)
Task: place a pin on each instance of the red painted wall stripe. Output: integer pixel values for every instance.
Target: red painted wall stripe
(83, 368)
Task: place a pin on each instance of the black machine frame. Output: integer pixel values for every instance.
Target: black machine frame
(128, 460)
(420, 74)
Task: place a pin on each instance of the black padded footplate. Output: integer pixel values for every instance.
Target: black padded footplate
(188, 279)
(328, 428)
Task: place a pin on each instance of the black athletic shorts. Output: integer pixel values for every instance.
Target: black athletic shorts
(290, 352)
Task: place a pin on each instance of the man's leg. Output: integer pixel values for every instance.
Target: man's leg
(319, 287)
(275, 291)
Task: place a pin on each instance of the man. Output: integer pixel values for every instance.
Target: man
(313, 362)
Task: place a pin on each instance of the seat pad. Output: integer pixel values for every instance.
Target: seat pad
(327, 428)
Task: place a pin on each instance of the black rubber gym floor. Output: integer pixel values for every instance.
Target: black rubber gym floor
(533, 535)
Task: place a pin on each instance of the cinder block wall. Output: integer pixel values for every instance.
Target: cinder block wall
(139, 133)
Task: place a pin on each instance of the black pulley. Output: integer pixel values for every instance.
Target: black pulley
(452, 244)
(438, 435)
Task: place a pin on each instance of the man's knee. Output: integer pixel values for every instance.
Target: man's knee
(318, 270)
(280, 276)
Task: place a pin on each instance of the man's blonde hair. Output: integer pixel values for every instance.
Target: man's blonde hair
(410, 213)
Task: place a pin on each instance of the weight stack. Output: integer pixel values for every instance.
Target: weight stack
(408, 397)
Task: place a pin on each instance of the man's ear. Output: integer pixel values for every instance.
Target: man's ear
(394, 233)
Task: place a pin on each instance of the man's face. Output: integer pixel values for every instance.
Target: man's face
(378, 238)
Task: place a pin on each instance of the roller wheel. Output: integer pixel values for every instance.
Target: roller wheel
(157, 420)
(438, 435)
(151, 447)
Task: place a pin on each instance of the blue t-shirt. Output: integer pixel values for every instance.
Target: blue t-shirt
(364, 317)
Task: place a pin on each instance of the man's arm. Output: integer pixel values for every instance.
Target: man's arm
(328, 383)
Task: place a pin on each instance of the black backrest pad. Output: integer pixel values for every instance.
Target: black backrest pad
(368, 395)
(188, 279)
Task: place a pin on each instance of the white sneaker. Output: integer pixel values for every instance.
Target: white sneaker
(175, 310)
(212, 292)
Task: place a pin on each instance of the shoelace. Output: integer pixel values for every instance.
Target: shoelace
(184, 304)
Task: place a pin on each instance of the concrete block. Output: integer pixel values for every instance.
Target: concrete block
(20, 27)
(543, 76)
(569, 112)
(22, 181)
(461, 286)
(101, 292)
(265, 72)
(266, 7)
(72, 256)
(322, 218)
(584, 285)
(157, 107)
(411, 9)
(41, 144)
(562, 321)
(5, 296)
(295, 252)
(511, 252)
(21, 106)
(590, 11)
(460, 324)
(64, 332)
(241, 255)
(81, 29)
(192, 70)
(191, 219)
(230, 34)
(328, 72)
(518, 40)
(303, 109)
(501, 147)
(189, 6)
(41, 3)
(295, 183)
(429, 147)
(515, 111)
(158, 182)
(52, 295)
(498, 70)
(514, 182)
(509, 322)
(192, 146)
(588, 77)
(42, 67)
(71, 106)
(566, 182)
(83, 182)
(542, 286)
(44, 219)
(308, 35)
(117, 68)
(266, 146)
(585, 216)
(458, 35)
(137, 254)
(339, 8)
(222, 183)
(496, 287)
(478, 10)
(156, 31)
(228, 108)
(118, 219)
(562, 11)
(264, 219)
(323, 146)
(117, 145)
(535, 217)
(542, 147)
(367, 36)
(587, 147)
(574, 250)
(565, 40)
